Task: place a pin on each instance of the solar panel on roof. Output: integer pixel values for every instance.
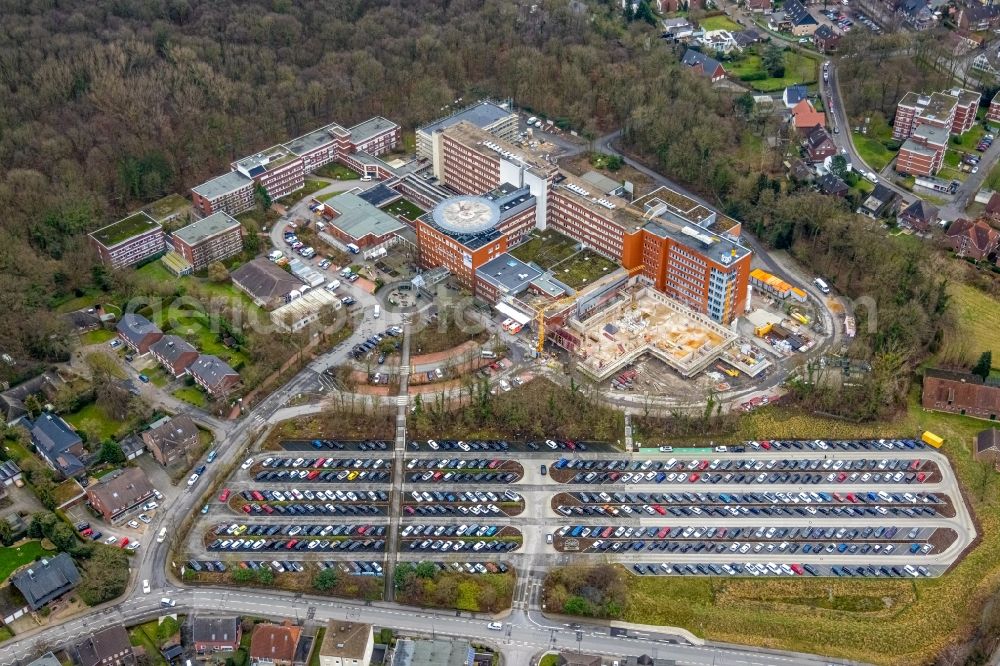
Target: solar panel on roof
(256, 171)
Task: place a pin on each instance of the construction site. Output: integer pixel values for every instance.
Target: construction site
(644, 321)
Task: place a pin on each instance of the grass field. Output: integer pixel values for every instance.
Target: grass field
(404, 207)
(92, 420)
(873, 152)
(545, 248)
(96, 337)
(192, 395)
(14, 557)
(337, 172)
(978, 320)
(968, 141)
(799, 69)
(145, 635)
(720, 22)
(311, 185)
(878, 621)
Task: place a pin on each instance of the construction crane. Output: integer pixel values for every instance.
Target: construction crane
(541, 319)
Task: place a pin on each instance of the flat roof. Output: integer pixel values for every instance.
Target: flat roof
(345, 639)
(166, 207)
(468, 219)
(912, 146)
(705, 242)
(221, 185)
(306, 304)
(936, 134)
(508, 272)
(491, 146)
(595, 199)
(357, 218)
(206, 227)
(936, 105)
(124, 229)
(266, 160)
(483, 114)
(313, 140)
(600, 181)
(369, 128)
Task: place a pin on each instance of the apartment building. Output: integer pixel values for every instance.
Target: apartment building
(118, 492)
(497, 119)
(993, 114)
(213, 238)
(128, 241)
(922, 154)
(230, 193)
(953, 110)
(375, 136)
(277, 170)
(320, 147)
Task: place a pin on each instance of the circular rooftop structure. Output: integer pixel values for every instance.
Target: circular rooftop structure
(466, 214)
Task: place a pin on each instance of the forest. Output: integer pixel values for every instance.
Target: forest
(108, 105)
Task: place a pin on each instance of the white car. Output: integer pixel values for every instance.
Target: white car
(495, 626)
(149, 506)
(247, 463)
(144, 518)
(193, 479)
(145, 587)
(111, 540)
(434, 445)
(134, 525)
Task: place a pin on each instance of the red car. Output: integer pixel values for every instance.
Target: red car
(319, 462)
(659, 509)
(841, 476)
(313, 474)
(664, 531)
(246, 508)
(921, 477)
(291, 544)
(267, 509)
(797, 568)
(123, 542)
(257, 496)
(694, 477)
(87, 532)
(224, 495)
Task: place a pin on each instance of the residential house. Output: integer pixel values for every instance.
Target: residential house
(46, 580)
(214, 375)
(917, 14)
(792, 95)
(215, 634)
(677, 28)
(779, 22)
(976, 17)
(174, 353)
(578, 659)
(274, 644)
(214, 238)
(704, 65)
(346, 644)
(953, 110)
(988, 446)
(47, 659)
(800, 171)
(118, 492)
(831, 185)
(826, 39)
(57, 443)
(993, 114)
(138, 332)
(746, 38)
(173, 440)
(993, 205)
(803, 22)
(819, 144)
(961, 393)
(107, 647)
(918, 216)
(12, 407)
(976, 240)
(128, 241)
(83, 321)
(805, 116)
(267, 284)
(882, 202)
(718, 41)
(760, 6)
(132, 446)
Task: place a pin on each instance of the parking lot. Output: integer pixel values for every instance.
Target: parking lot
(853, 508)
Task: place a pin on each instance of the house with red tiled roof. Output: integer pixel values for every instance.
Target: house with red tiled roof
(805, 116)
(274, 644)
(975, 240)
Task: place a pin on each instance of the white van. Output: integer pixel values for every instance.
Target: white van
(376, 311)
(822, 285)
(167, 602)
(487, 354)
(162, 535)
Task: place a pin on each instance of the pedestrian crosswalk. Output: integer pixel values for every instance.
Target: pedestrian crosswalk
(402, 400)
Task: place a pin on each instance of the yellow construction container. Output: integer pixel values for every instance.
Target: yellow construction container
(931, 439)
(801, 318)
(761, 331)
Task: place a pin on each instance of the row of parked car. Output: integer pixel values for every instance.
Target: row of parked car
(766, 498)
(745, 478)
(239, 529)
(373, 475)
(324, 463)
(454, 545)
(308, 509)
(361, 350)
(757, 548)
(774, 569)
(338, 444)
(462, 477)
(294, 495)
(748, 465)
(344, 545)
(736, 510)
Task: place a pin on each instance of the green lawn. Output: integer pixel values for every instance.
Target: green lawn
(550, 659)
(968, 141)
(721, 22)
(978, 319)
(583, 268)
(144, 635)
(317, 642)
(158, 376)
(311, 186)
(545, 248)
(196, 327)
(337, 172)
(66, 491)
(874, 153)
(799, 69)
(89, 299)
(404, 207)
(192, 395)
(96, 337)
(14, 557)
(168, 205)
(992, 181)
(92, 420)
